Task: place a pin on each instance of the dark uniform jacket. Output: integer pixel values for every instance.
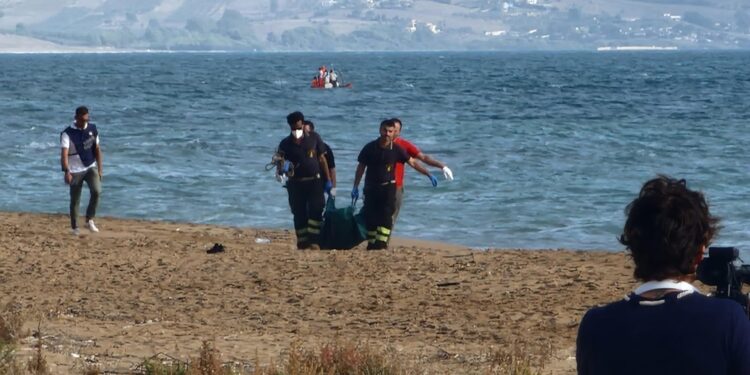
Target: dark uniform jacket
(381, 162)
(303, 156)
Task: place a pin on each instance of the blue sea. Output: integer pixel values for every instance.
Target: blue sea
(547, 148)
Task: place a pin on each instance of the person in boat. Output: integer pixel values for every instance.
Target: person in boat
(322, 72)
(666, 326)
(319, 79)
(333, 78)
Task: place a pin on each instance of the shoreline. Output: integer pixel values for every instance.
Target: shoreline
(140, 288)
(396, 240)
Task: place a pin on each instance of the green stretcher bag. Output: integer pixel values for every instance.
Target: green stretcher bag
(342, 228)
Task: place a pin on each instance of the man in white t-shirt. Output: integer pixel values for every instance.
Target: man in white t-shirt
(333, 78)
(81, 161)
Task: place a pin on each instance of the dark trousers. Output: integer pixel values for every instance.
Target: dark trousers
(91, 177)
(307, 202)
(380, 203)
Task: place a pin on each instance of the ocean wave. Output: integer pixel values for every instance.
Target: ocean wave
(34, 145)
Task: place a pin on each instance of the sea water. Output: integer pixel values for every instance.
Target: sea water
(547, 149)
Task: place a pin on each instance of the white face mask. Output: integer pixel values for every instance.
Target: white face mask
(298, 133)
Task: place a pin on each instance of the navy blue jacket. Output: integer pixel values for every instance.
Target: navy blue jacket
(84, 141)
(694, 334)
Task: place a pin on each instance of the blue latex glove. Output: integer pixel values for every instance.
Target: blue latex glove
(328, 186)
(433, 179)
(355, 193)
(286, 166)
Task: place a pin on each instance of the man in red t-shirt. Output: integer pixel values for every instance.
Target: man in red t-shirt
(414, 152)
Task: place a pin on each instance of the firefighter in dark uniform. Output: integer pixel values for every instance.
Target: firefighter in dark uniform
(379, 159)
(305, 166)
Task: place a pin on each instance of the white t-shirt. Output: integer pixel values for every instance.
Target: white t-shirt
(75, 165)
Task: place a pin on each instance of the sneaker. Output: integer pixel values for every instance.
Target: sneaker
(91, 226)
(75, 231)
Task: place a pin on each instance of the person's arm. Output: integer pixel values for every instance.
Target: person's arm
(64, 145)
(324, 167)
(331, 164)
(739, 332)
(414, 164)
(279, 158)
(429, 160)
(321, 149)
(357, 178)
(582, 345)
(358, 175)
(98, 154)
(67, 177)
(418, 166)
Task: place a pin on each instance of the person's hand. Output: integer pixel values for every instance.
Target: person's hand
(101, 174)
(281, 178)
(332, 192)
(447, 173)
(433, 179)
(328, 186)
(355, 193)
(68, 178)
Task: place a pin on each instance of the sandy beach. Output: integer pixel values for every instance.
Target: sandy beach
(141, 288)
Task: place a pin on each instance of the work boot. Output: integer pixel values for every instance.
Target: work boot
(380, 245)
(303, 246)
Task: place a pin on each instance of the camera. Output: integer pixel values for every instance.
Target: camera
(719, 269)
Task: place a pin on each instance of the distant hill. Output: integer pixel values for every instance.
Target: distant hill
(275, 25)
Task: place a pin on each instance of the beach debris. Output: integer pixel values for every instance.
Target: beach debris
(448, 283)
(261, 240)
(442, 354)
(217, 248)
(460, 256)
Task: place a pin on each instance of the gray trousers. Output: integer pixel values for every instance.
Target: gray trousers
(91, 177)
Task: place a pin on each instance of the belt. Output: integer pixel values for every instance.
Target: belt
(388, 183)
(304, 179)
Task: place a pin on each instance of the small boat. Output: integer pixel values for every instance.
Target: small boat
(314, 85)
(328, 80)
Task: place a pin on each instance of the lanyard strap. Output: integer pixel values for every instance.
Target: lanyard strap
(665, 284)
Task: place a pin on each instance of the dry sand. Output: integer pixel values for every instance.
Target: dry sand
(140, 288)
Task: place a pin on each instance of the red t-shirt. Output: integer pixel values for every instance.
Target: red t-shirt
(412, 151)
